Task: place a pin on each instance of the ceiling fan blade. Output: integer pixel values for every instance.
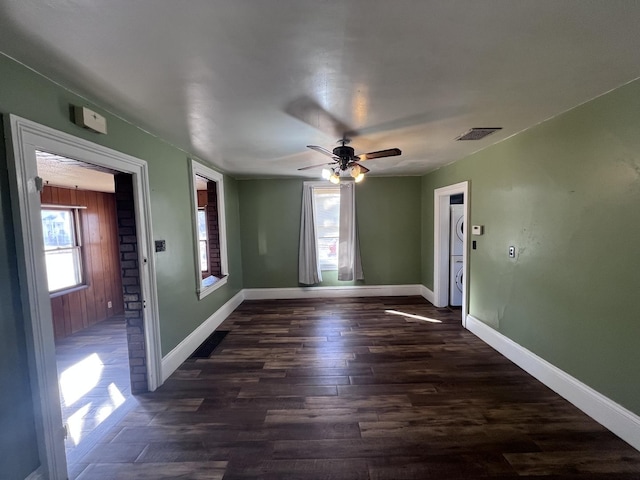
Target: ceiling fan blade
(391, 152)
(310, 112)
(363, 169)
(322, 150)
(315, 166)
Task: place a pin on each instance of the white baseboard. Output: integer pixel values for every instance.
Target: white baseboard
(36, 475)
(427, 294)
(185, 348)
(337, 291)
(605, 411)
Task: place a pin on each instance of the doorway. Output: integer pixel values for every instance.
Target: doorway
(27, 138)
(441, 246)
(82, 232)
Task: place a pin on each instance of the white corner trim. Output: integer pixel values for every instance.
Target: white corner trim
(186, 347)
(605, 411)
(337, 291)
(427, 294)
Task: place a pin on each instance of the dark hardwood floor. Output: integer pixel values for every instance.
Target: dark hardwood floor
(340, 389)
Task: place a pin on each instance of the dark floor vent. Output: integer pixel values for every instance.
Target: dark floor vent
(478, 133)
(209, 345)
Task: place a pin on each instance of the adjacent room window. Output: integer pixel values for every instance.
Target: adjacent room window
(209, 232)
(203, 241)
(326, 203)
(62, 247)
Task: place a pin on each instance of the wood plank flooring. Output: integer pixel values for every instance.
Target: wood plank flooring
(340, 389)
(93, 376)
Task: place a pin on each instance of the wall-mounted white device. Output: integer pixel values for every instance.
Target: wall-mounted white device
(477, 229)
(89, 119)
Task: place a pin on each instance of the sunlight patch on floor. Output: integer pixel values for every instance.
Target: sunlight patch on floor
(116, 398)
(79, 379)
(75, 423)
(415, 317)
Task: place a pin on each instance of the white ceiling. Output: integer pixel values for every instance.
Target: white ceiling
(58, 171)
(231, 81)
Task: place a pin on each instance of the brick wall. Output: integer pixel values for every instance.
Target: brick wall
(215, 265)
(133, 302)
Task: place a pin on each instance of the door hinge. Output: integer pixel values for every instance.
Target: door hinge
(39, 183)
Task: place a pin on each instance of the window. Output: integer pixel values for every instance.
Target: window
(62, 248)
(328, 233)
(326, 203)
(203, 240)
(209, 232)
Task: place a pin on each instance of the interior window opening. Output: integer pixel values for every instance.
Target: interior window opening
(210, 250)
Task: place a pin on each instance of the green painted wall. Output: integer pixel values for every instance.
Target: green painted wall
(566, 193)
(388, 211)
(24, 93)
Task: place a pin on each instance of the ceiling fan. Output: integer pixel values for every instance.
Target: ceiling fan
(344, 158)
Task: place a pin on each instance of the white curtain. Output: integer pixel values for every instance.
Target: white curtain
(308, 266)
(349, 263)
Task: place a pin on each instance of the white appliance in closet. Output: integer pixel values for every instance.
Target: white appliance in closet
(456, 264)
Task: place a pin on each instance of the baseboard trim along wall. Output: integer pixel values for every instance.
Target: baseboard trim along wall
(427, 294)
(185, 348)
(337, 291)
(36, 475)
(605, 411)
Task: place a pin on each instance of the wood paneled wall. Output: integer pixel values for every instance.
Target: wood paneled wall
(202, 198)
(77, 310)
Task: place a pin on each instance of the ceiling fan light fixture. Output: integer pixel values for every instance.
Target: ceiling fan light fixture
(335, 178)
(359, 177)
(356, 170)
(326, 173)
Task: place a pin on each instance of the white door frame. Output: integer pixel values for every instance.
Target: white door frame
(26, 137)
(441, 233)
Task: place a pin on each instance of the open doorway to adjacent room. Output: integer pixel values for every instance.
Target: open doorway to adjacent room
(84, 259)
(89, 288)
(450, 275)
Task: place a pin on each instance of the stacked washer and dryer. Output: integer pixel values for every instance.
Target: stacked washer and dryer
(456, 265)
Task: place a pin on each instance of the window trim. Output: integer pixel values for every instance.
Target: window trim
(205, 286)
(77, 246)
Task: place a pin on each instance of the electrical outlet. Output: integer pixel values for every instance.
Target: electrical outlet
(512, 252)
(109, 304)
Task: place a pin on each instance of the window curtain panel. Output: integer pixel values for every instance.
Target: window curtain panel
(308, 266)
(349, 262)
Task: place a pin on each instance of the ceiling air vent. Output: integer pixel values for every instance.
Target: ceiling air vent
(478, 133)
